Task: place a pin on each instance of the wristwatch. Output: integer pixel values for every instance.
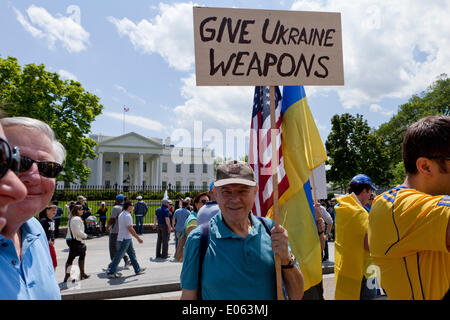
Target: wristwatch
(291, 263)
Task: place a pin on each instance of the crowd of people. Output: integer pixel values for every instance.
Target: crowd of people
(226, 251)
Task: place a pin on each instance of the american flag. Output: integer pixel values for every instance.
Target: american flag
(260, 155)
(125, 109)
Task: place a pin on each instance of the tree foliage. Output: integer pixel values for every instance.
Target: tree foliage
(64, 105)
(353, 148)
(434, 101)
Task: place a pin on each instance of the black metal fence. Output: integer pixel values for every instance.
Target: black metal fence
(95, 195)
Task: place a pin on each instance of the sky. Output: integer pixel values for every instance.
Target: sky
(140, 55)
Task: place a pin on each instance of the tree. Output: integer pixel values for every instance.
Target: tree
(434, 101)
(64, 105)
(399, 174)
(353, 148)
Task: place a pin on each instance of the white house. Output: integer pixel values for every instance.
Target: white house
(135, 160)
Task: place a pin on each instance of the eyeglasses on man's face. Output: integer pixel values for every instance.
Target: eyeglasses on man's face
(47, 169)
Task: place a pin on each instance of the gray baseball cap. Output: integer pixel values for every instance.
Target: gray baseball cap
(234, 172)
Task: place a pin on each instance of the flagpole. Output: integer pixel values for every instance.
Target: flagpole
(276, 219)
(123, 120)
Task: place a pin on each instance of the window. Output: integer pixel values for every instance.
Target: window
(164, 167)
(164, 185)
(191, 168)
(107, 166)
(205, 168)
(177, 186)
(191, 185)
(107, 184)
(126, 166)
(145, 167)
(178, 168)
(205, 186)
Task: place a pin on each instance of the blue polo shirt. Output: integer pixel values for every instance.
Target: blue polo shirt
(234, 268)
(161, 214)
(32, 276)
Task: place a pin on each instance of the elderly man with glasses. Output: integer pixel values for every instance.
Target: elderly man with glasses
(27, 269)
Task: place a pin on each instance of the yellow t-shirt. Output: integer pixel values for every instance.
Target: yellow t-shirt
(351, 259)
(407, 241)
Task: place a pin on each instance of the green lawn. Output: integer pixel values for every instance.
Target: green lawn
(94, 205)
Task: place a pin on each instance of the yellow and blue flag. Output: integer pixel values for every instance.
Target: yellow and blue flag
(303, 151)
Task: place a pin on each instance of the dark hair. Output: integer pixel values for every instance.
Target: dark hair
(197, 199)
(127, 204)
(429, 137)
(185, 203)
(75, 208)
(358, 188)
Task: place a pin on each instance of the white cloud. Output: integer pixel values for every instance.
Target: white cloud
(64, 29)
(378, 109)
(67, 75)
(169, 34)
(138, 121)
(375, 108)
(221, 107)
(129, 94)
(380, 40)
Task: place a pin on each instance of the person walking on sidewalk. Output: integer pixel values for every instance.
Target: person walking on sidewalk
(125, 243)
(162, 215)
(113, 228)
(74, 239)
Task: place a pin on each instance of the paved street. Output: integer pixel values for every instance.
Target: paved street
(160, 281)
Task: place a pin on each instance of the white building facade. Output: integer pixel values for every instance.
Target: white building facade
(135, 160)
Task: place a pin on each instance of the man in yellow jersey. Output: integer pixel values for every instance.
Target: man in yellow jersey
(352, 257)
(409, 234)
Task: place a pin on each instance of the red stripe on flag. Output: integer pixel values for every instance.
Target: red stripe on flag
(260, 155)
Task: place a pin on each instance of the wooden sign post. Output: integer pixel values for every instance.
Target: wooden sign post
(243, 47)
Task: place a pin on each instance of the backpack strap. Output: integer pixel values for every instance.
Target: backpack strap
(264, 223)
(204, 243)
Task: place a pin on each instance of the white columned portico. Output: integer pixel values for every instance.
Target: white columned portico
(141, 169)
(153, 177)
(99, 168)
(120, 173)
(158, 170)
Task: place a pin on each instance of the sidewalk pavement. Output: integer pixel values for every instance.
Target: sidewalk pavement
(161, 276)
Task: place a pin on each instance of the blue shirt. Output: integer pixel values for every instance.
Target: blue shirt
(161, 214)
(180, 217)
(209, 210)
(32, 276)
(234, 267)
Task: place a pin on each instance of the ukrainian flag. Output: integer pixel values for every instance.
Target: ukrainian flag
(303, 151)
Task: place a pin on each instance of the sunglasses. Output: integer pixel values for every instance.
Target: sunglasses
(46, 169)
(204, 201)
(9, 158)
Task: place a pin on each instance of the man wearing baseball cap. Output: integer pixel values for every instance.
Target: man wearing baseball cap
(140, 210)
(162, 217)
(239, 257)
(352, 257)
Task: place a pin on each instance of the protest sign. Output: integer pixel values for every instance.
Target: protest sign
(267, 47)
